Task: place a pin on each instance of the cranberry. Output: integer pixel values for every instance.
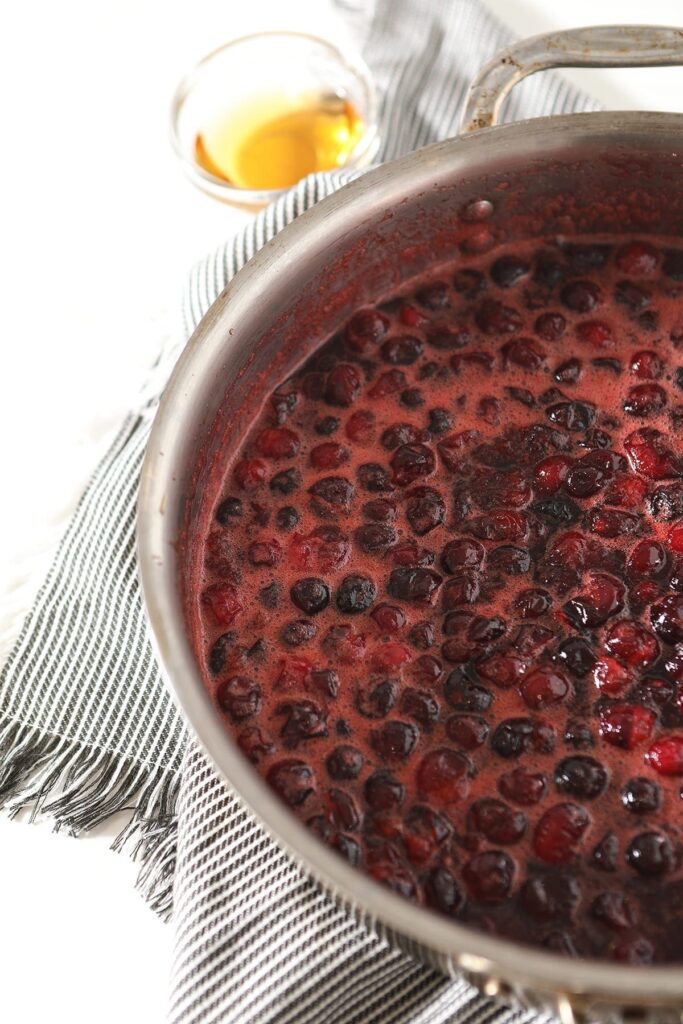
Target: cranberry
(465, 694)
(304, 720)
(329, 455)
(650, 453)
(452, 448)
(360, 428)
(523, 787)
(412, 317)
(378, 700)
(310, 594)
(576, 656)
(568, 372)
(472, 360)
(425, 509)
(414, 584)
(492, 317)
(551, 473)
(424, 831)
(443, 776)
(605, 854)
(489, 410)
(469, 283)
(551, 895)
(326, 426)
(389, 618)
(277, 443)
(332, 493)
(675, 538)
(637, 258)
(543, 686)
(402, 351)
(286, 481)
(595, 332)
(632, 644)
(603, 597)
(633, 296)
(642, 796)
(646, 365)
(440, 421)
(433, 295)
(293, 781)
(462, 553)
(626, 725)
(387, 384)
(229, 512)
(255, 743)
(447, 338)
(355, 594)
(580, 776)
(365, 326)
(223, 602)
(548, 271)
(385, 867)
(581, 296)
(651, 854)
(496, 821)
(507, 270)
(645, 400)
(380, 510)
(559, 833)
(610, 677)
(287, 517)
(324, 682)
(532, 603)
(666, 755)
(394, 741)
(504, 669)
(667, 502)
(383, 792)
(611, 522)
(343, 385)
(374, 477)
(341, 809)
(578, 735)
(647, 558)
(239, 697)
(489, 876)
(468, 731)
(574, 416)
(411, 461)
(250, 473)
(550, 326)
(296, 633)
(483, 630)
(523, 352)
(613, 910)
(408, 553)
(635, 950)
(667, 618)
(420, 706)
(515, 736)
(500, 525)
(443, 893)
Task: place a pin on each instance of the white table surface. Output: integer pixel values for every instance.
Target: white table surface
(99, 227)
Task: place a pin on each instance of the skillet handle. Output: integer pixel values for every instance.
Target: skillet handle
(600, 46)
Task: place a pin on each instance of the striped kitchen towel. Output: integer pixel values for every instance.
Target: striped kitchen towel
(87, 727)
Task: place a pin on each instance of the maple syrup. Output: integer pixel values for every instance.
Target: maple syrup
(274, 141)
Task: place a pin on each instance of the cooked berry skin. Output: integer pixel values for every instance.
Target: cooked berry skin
(441, 593)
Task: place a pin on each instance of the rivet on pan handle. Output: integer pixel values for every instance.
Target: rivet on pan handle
(601, 46)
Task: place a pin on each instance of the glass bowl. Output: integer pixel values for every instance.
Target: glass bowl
(287, 65)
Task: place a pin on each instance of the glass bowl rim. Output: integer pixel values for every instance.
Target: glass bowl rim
(361, 155)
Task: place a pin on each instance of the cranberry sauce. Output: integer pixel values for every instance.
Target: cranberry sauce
(442, 595)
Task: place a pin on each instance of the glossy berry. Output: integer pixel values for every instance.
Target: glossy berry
(489, 876)
(496, 821)
(641, 795)
(626, 725)
(651, 854)
(559, 833)
(580, 776)
(443, 776)
(523, 787)
(666, 755)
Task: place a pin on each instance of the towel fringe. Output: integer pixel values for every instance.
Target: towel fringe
(78, 786)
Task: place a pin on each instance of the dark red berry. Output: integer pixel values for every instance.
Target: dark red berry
(394, 741)
(581, 296)
(443, 776)
(651, 854)
(311, 595)
(559, 833)
(523, 787)
(293, 781)
(489, 876)
(666, 755)
(467, 731)
(641, 796)
(666, 617)
(626, 725)
(580, 776)
(496, 821)
(366, 326)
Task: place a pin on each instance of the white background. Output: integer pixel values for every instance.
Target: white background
(98, 229)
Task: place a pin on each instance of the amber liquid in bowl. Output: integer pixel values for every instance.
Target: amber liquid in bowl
(274, 141)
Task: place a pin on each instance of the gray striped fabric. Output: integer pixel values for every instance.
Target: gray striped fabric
(86, 725)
